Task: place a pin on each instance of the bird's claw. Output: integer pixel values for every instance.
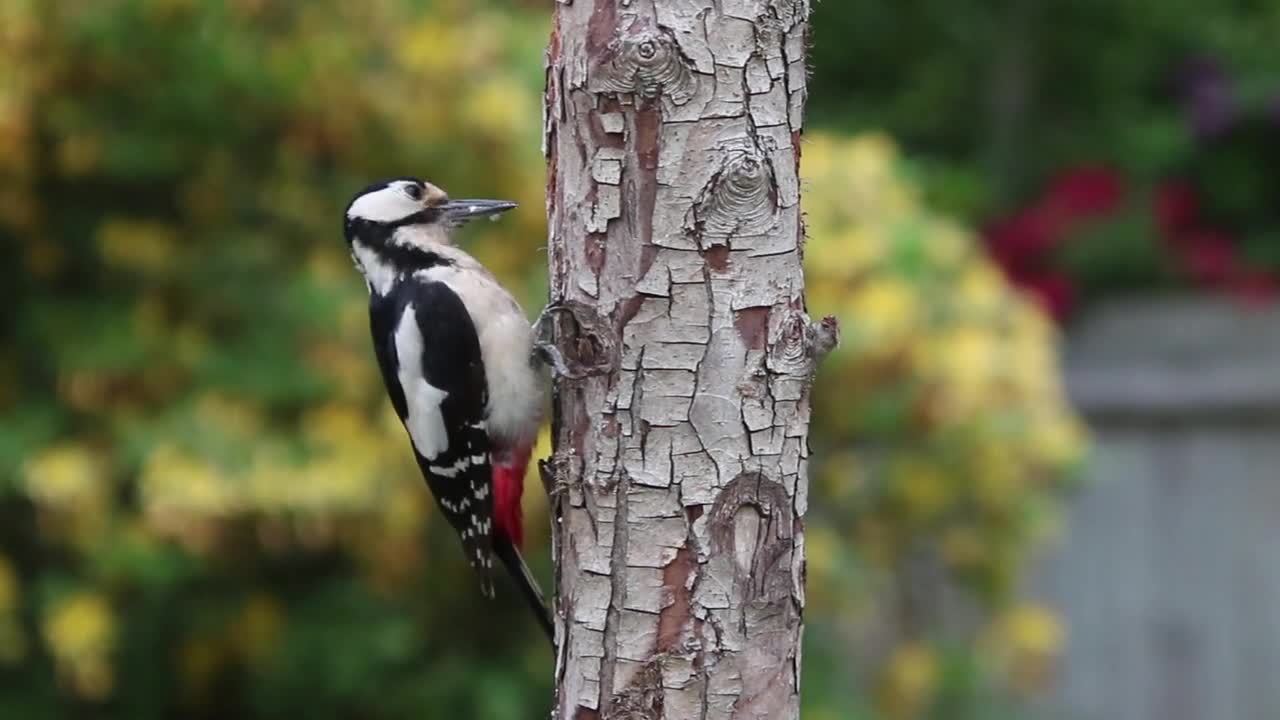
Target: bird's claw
(550, 355)
(544, 347)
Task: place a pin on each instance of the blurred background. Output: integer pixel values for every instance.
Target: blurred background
(1046, 487)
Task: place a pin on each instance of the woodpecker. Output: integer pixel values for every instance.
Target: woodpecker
(456, 354)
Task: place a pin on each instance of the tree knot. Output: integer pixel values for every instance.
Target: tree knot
(575, 340)
(643, 61)
(740, 200)
(751, 522)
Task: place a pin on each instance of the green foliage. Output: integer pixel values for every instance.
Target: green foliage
(210, 511)
(1122, 252)
(1006, 93)
(941, 461)
(207, 509)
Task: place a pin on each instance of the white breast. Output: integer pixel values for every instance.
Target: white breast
(506, 342)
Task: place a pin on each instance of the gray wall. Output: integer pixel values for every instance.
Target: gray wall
(1169, 578)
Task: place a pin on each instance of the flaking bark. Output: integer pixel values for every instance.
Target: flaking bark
(679, 473)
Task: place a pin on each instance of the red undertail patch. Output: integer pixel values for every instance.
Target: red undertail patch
(508, 486)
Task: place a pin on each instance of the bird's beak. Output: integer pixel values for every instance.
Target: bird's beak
(460, 211)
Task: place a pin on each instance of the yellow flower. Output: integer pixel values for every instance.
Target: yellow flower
(882, 311)
(1057, 441)
(534, 504)
(404, 507)
(910, 680)
(985, 427)
(998, 472)
(333, 425)
(1025, 642)
(139, 245)
(1029, 323)
(846, 254)
(80, 633)
(495, 106)
(819, 157)
(346, 482)
(948, 245)
(1032, 629)
(271, 480)
(63, 476)
(175, 481)
(872, 156)
(967, 353)
(981, 290)
(82, 625)
(963, 359)
(874, 191)
(865, 171)
(229, 414)
(429, 47)
(921, 486)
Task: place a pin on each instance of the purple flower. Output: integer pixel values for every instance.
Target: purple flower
(1208, 97)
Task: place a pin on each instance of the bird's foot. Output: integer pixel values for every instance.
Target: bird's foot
(545, 349)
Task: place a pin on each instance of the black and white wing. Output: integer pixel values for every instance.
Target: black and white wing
(429, 353)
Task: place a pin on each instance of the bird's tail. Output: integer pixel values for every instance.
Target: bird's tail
(510, 557)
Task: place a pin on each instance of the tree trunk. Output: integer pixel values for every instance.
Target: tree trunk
(679, 473)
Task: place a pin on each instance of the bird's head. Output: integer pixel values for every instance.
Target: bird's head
(408, 212)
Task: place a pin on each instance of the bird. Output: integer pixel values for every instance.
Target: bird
(456, 353)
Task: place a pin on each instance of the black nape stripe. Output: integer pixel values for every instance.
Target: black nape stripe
(378, 236)
(381, 232)
(409, 257)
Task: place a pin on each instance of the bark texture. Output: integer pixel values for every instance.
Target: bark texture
(679, 473)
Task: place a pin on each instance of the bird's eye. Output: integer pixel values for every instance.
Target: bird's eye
(414, 191)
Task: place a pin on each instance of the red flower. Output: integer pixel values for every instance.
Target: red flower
(1077, 194)
(1024, 243)
(1254, 287)
(1084, 192)
(1209, 257)
(1022, 238)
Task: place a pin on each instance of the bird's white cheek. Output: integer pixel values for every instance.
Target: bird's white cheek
(378, 273)
(426, 237)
